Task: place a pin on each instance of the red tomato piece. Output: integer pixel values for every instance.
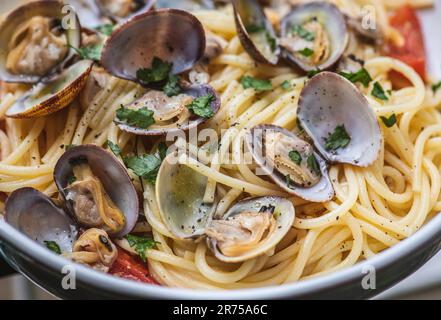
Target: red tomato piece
(132, 268)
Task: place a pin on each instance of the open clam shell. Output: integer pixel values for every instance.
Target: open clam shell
(329, 100)
(329, 26)
(34, 214)
(320, 192)
(195, 91)
(43, 8)
(55, 94)
(179, 195)
(172, 35)
(112, 175)
(121, 13)
(188, 5)
(88, 12)
(283, 212)
(255, 32)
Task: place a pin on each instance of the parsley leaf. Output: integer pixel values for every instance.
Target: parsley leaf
(202, 106)
(378, 92)
(313, 165)
(53, 246)
(436, 86)
(159, 71)
(338, 139)
(146, 166)
(254, 28)
(295, 156)
(361, 76)
(286, 85)
(141, 244)
(69, 146)
(172, 87)
(303, 33)
(389, 122)
(306, 52)
(312, 73)
(92, 52)
(114, 147)
(257, 84)
(142, 118)
(71, 180)
(105, 29)
(162, 149)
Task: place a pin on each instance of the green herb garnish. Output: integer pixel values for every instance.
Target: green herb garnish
(202, 106)
(254, 28)
(312, 73)
(159, 71)
(141, 118)
(145, 167)
(162, 149)
(389, 122)
(92, 52)
(306, 52)
(378, 92)
(286, 85)
(105, 29)
(361, 76)
(295, 156)
(313, 164)
(71, 179)
(172, 87)
(114, 147)
(69, 146)
(53, 246)
(257, 84)
(141, 244)
(303, 33)
(338, 139)
(436, 86)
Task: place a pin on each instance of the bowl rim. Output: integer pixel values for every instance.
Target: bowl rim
(127, 288)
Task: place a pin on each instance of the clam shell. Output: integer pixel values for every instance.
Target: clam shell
(34, 214)
(329, 100)
(334, 22)
(112, 174)
(188, 5)
(320, 192)
(45, 8)
(145, 5)
(169, 34)
(179, 194)
(194, 91)
(284, 214)
(245, 13)
(88, 12)
(48, 97)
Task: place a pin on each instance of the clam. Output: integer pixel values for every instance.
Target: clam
(172, 35)
(171, 114)
(290, 162)
(97, 190)
(121, 10)
(179, 194)
(250, 228)
(188, 5)
(314, 35)
(336, 115)
(54, 94)
(35, 215)
(88, 13)
(255, 32)
(33, 42)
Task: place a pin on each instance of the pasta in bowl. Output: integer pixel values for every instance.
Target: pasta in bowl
(244, 147)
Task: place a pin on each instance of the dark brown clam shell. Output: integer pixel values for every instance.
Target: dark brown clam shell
(112, 174)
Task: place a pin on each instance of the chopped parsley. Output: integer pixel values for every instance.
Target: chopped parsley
(306, 52)
(92, 52)
(172, 87)
(312, 73)
(141, 244)
(286, 85)
(145, 167)
(71, 180)
(389, 122)
(361, 76)
(295, 157)
(114, 147)
(303, 33)
(254, 28)
(202, 106)
(257, 84)
(272, 41)
(69, 146)
(338, 139)
(162, 149)
(159, 71)
(378, 92)
(141, 118)
(313, 164)
(53, 246)
(105, 29)
(436, 86)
